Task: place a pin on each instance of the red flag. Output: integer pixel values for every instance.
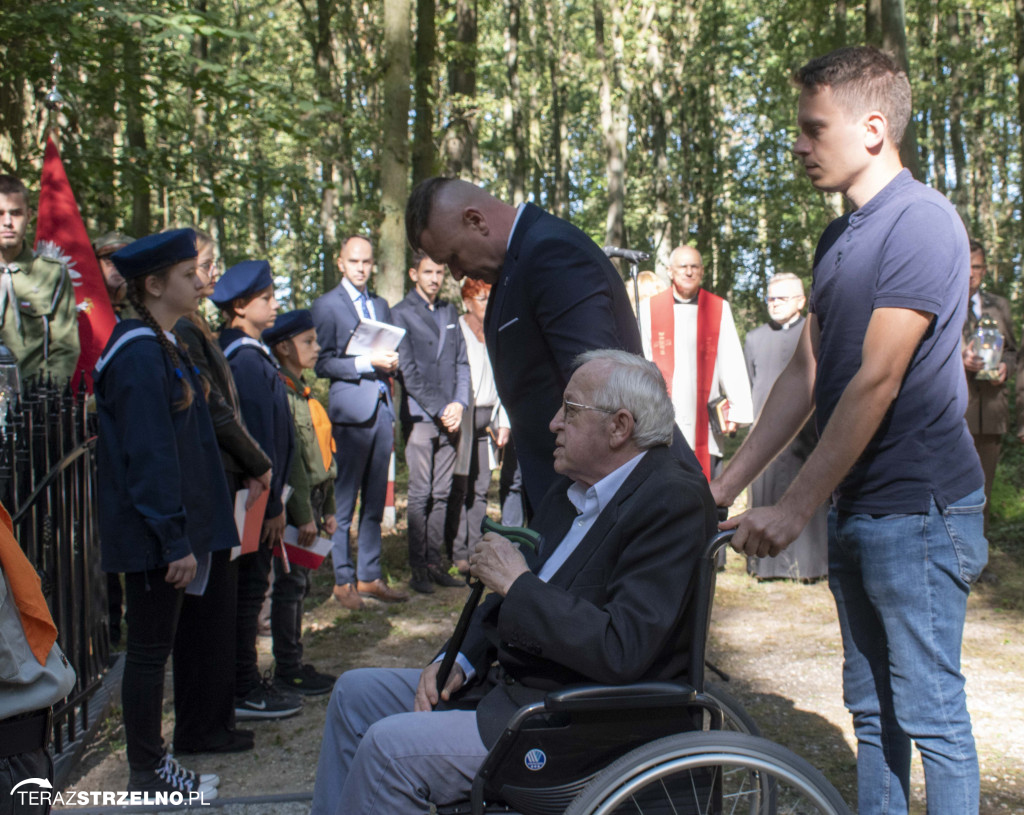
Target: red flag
(61, 234)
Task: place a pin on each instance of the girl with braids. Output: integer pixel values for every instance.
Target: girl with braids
(165, 506)
(204, 647)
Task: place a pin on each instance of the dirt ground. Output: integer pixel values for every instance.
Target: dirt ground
(778, 641)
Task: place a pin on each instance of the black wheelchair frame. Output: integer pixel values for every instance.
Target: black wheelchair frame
(560, 750)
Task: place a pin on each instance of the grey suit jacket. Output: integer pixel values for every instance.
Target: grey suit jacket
(433, 364)
(353, 396)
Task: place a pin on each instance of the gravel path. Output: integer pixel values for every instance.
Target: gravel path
(778, 641)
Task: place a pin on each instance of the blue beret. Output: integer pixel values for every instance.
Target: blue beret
(241, 280)
(288, 325)
(154, 252)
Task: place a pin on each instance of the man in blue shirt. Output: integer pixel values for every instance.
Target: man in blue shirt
(879, 358)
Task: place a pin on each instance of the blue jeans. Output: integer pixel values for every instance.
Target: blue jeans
(900, 584)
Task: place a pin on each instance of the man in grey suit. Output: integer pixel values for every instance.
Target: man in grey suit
(361, 410)
(434, 370)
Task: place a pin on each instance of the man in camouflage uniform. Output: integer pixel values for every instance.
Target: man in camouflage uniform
(38, 322)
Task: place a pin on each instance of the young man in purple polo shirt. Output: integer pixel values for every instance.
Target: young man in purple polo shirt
(879, 358)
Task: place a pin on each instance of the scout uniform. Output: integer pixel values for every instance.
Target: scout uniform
(38, 320)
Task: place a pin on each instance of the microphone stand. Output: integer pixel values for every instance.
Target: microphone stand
(633, 273)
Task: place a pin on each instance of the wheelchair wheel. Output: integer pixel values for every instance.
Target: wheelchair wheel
(709, 773)
(735, 717)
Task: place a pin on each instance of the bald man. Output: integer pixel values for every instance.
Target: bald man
(555, 296)
(691, 336)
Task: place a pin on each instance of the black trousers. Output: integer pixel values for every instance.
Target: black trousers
(152, 607)
(253, 579)
(473, 498)
(204, 659)
(14, 770)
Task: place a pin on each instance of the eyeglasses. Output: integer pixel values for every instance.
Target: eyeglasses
(205, 267)
(576, 407)
(776, 299)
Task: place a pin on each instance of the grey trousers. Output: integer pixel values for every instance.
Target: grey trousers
(430, 455)
(379, 757)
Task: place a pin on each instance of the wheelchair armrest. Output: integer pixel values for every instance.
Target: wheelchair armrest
(640, 695)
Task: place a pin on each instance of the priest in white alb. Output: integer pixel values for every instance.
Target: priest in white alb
(689, 333)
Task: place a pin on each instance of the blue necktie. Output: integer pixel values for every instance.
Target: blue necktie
(364, 304)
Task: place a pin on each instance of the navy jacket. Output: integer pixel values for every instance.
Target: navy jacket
(263, 397)
(619, 610)
(163, 493)
(558, 296)
(353, 396)
(432, 360)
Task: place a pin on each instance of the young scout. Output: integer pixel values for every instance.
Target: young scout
(310, 507)
(245, 296)
(38, 320)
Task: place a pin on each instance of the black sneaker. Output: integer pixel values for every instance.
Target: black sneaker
(266, 702)
(421, 581)
(442, 578)
(306, 681)
(171, 777)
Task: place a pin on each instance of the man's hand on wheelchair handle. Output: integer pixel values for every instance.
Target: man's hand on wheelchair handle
(764, 531)
(426, 691)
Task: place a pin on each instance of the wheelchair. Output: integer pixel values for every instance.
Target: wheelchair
(650, 748)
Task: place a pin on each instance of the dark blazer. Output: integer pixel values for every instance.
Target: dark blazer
(353, 396)
(988, 410)
(432, 363)
(164, 494)
(557, 296)
(263, 398)
(619, 610)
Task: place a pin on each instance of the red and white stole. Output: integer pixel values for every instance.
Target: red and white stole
(663, 329)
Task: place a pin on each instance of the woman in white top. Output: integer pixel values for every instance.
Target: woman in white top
(486, 426)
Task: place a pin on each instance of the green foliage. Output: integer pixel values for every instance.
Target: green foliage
(264, 123)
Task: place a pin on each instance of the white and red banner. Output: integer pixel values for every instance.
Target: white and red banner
(61, 234)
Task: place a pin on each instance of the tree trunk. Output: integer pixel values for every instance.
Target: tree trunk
(885, 28)
(614, 125)
(460, 148)
(394, 169)
(515, 149)
(135, 135)
(424, 157)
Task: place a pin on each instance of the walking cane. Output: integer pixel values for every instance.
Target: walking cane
(519, 535)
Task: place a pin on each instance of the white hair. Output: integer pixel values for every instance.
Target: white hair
(636, 385)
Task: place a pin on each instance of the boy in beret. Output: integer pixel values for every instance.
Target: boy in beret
(245, 296)
(310, 507)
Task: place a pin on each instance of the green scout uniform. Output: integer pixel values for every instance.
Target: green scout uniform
(38, 319)
(307, 472)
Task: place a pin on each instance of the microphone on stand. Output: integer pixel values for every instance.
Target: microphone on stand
(632, 255)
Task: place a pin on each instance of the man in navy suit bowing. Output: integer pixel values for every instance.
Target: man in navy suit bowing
(555, 296)
(434, 369)
(361, 410)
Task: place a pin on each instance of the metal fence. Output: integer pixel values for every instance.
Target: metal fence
(48, 484)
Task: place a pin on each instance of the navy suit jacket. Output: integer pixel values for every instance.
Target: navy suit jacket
(433, 365)
(353, 396)
(619, 610)
(557, 296)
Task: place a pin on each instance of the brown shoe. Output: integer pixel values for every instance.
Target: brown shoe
(381, 590)
(346, 595)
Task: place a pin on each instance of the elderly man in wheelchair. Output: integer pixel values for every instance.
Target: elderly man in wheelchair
(608, 598)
